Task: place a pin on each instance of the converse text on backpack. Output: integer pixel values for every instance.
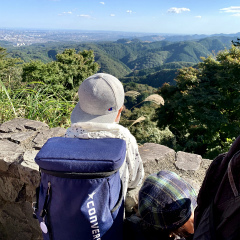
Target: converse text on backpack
(93, 217)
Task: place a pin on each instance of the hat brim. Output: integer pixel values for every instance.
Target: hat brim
(78, 115)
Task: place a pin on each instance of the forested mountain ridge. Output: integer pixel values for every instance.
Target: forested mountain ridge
(123, 57)
(157, 76)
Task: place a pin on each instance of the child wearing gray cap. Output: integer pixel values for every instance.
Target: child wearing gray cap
(166, 209)
(96, 115)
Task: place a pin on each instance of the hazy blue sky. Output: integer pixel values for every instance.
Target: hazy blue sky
(153, 16)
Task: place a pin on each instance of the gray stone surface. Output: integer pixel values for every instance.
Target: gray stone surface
(10, 188)
(9, 153)
(21, 139)
(195, 184)
(15, 125)
(156, 157)
(20, 224)
(43, 136)
(188, 161)
(35, 125)
(28, 168)
(5, 136)
(28, 162)
(131, 199)
(21, 125)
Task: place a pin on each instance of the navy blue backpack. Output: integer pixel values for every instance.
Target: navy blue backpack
(80, 194)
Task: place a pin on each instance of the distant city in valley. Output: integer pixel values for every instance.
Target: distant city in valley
(25, 37)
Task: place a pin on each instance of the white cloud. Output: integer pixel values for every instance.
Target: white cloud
(64, 13)
(232, 9)
(198, 16)
(178, 10)
(84, 16)
(112, 15)
(235, 10)
(129, 11)
(102, 3)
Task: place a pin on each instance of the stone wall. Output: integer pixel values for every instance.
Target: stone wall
(21, 139)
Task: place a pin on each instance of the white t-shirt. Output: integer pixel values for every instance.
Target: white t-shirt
(131, 172)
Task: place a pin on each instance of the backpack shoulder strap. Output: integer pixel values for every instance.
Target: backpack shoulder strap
(231, 180)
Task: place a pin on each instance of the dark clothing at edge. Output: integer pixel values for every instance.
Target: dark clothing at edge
(135, 229)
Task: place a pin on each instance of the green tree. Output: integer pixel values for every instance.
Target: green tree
(7, 62)
(203, 109)
(139, 122)
(140, 105)
(10, 68)
(76, 67)
(236, 43)
(63, 75)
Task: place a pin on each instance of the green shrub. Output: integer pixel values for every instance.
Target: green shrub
(33, 104)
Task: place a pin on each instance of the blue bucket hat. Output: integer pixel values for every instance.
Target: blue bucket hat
(166, 201)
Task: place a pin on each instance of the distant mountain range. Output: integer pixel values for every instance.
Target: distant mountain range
(145, 59)
(21, 37)
(177, 38)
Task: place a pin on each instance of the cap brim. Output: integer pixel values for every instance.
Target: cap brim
(78, 115)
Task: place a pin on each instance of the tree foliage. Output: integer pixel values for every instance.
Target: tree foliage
(63, 75)
(10, 68)
(236, 43)
(203, 108)
(5, 61)
(119, 58)
(139, 122)
(140, 105)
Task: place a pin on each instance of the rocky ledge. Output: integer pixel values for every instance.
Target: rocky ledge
(21, 139)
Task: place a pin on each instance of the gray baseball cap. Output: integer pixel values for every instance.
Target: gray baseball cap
(100, 97)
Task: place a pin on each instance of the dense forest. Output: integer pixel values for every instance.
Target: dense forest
(180, 94)
(125, 59)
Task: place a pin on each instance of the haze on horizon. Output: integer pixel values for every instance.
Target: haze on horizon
(152, 16)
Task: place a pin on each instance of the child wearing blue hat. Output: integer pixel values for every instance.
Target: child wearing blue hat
(166, 209)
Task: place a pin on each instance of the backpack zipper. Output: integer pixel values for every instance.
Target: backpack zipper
(46, 226)
(77, 175)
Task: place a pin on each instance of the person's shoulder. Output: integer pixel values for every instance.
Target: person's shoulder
(126, 132)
